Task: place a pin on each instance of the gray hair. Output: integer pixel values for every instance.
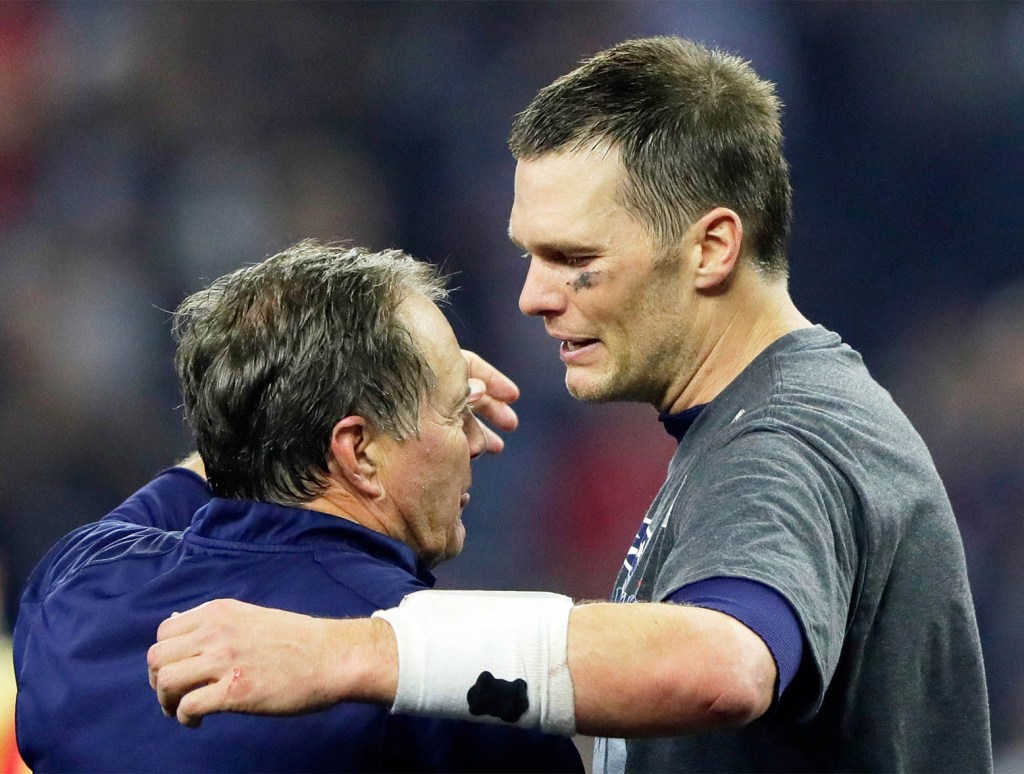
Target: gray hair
(696, 129)
(271, 356)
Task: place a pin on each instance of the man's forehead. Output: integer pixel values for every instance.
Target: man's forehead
(542, 173)
(451, 363)
(560, 198)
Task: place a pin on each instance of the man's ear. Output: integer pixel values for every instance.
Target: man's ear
(355, 455)
(719, 236)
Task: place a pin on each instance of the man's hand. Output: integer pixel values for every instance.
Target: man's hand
(490, 393)
(194, 463)
(229, 656)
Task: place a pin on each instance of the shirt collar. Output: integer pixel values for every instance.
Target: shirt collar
(256, 526)
(676, 425)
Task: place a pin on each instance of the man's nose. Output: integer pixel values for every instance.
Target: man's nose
(542, 292)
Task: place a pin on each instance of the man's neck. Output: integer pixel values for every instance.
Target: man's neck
(336, 501)
(745, 325)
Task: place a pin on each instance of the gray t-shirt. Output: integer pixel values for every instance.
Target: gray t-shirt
(804, 475)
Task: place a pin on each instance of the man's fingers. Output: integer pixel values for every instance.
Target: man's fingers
(498, 385)
(497, 412)
(177, 624)
(170, 647)
(177, 681)
(167, 650)
(201, 702)
(490, 392)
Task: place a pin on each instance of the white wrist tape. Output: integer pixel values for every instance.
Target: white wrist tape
(496, 656)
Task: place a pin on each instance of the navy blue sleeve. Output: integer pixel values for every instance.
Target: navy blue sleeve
(168, 502)
(761, 609)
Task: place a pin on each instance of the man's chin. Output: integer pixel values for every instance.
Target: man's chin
(457, 541)
(588, 391)
(605, 390)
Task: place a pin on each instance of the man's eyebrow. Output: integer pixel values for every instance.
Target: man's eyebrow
(570, 249)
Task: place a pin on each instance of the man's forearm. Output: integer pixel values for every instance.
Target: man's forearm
(658, 669)
(604, 669)
(365, 668)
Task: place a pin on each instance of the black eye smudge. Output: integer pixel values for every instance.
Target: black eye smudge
(585, 279)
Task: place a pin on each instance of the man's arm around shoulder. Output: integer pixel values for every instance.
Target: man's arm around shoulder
(637, 670)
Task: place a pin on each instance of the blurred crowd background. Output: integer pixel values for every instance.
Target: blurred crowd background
(148, 148)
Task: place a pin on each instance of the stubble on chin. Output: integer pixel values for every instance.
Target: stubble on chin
(617, 387)
(601, 390)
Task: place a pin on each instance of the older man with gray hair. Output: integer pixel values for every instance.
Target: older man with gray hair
(332, 408)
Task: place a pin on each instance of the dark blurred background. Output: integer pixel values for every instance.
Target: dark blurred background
(148, 148)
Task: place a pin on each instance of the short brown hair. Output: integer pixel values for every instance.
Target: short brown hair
(696, 129)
